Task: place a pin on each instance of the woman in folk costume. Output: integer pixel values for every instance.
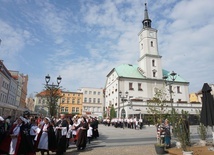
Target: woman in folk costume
(74, 130)
(61, 131)
(82, 134)
(10, 145)
(69, 133)
(33, 129)
(89, 131)
(46, 139)
(15, 136)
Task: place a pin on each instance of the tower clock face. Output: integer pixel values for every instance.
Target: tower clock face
(151, 34)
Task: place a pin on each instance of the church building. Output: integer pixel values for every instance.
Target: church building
(128, 87)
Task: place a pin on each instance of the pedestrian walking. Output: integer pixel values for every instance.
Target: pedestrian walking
(82, 134)
(46, 140)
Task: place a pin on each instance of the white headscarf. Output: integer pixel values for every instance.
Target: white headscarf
(48, 119)
(23, 119)
(1, 118)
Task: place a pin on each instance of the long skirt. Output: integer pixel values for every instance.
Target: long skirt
(167, 140)
(43, 142)
(13, 144)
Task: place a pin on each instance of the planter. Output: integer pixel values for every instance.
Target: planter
(202, 143)
(160, 149)
(178, 145)
(187, 152)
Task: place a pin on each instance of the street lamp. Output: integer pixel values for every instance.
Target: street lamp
(123, 99)
(169, 80)
(53, 93)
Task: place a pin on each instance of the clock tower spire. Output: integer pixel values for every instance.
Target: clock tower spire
(150, 60)
(146, 22)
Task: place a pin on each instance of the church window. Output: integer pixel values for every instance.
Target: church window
(141, 46)
(140, 87)
(178, 89)
(131, 86)
(152, 44)
(154, 74)
(153, 63)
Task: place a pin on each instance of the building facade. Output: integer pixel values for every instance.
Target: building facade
(140, 81)
(92, 101)
(13, 87)
(71, 103)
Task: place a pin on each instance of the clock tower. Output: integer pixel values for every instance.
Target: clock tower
(150, 60)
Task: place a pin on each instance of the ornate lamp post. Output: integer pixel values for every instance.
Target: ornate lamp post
(169, 80)
(123, 99)
(53, 94)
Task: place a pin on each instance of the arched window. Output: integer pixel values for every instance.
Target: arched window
(153, 63)
(141, 46)
(154, 73)
(152, 44)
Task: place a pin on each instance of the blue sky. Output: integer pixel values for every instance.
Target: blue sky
(82, 40)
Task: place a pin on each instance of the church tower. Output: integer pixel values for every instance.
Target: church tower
(150, 60)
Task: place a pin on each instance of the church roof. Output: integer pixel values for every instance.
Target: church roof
(177, 79)
(129, 71)
(133, 71)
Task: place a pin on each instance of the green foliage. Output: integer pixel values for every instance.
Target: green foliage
(112, 113)
(157, 106)
(181, 128)
(202, 131)
(158, 110)
(104, 114)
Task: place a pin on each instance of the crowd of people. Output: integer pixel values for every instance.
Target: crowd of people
(27, 134)
(163, 128)
(132, 123)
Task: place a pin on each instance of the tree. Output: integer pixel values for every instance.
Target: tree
(112, 113)
(53, 94)
(157, 106)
